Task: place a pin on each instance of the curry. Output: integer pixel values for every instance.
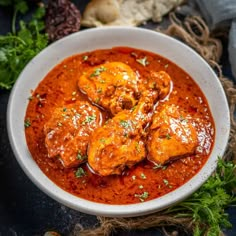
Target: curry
(119, 126)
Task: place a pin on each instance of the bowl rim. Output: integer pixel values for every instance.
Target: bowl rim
(47, 186)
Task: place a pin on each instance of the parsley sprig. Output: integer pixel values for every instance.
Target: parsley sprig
(18, 48)
(207, 205)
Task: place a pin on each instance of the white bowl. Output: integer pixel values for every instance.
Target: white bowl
(101, 38)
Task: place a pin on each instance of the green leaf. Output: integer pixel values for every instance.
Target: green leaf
(21, 6)
(16, 50)
(207, 205)
(5, 2)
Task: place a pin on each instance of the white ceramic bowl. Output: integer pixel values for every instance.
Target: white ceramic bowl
(100, 38)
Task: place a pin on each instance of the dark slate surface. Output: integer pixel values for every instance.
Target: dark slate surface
(24, 209)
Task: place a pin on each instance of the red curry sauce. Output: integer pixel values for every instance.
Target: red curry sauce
(144, 181)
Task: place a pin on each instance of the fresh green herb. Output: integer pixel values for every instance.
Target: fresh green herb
(59, 124)
(64, 109)
(133, 108)
(85, 57)
(142, 196)
(166, 182)
(137, 147)
(81, 157)
(18, 48)
(182, 119)
(206, 206)
(102, 140)
(97, 100)
(30, 98)
(125, 124)
(168, 136)
(98, 71)
(99, 90)
(102, 81)
(89, 119)
(143, 61)
(27, 123)
(159, 166)
(80, 172)
(143, 176)
(140, 186)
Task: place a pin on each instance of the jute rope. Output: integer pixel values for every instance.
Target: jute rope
(194, 32)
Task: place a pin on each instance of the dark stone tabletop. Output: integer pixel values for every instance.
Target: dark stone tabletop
(24, 209)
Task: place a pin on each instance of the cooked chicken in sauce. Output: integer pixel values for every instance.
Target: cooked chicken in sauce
(68, 131)
(113, 86)
(102, 123)
(171, 135)
(120, 142)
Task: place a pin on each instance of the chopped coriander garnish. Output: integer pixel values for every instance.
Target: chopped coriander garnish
(98, 71)
(125, 124)
(27, 123)
(89, 119)
(30, 98)
(143, 176)
(157, 166)
(140, 186)
(168, 136)
(166, 182)
(164, 167)
(182, 119)
(99, 90)
(143, 61)
(142, 196)
(80, 172)
(102, 81)
(64, 109)
(102, 140)
(85, 57)
(97, 100)
(133, 108)
(59, 124)
(81, 157)
(137, 147)
(133, 177)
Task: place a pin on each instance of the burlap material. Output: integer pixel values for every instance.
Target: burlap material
(195, 33)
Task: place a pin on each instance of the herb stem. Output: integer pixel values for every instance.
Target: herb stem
(13, 24)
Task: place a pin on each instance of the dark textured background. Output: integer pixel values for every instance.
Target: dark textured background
(24, 209)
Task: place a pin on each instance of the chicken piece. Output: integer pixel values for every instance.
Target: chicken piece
(172, 135)
(68, 130)
(163, 83)
(119, 143)
(112, 85)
